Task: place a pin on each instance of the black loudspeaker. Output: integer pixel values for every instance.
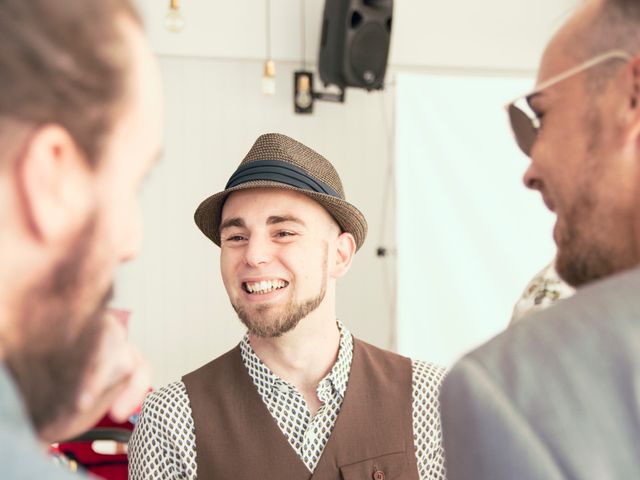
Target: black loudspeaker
(355, 43)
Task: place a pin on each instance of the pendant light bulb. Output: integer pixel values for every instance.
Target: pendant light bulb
(173, 19)
(304, 96)
(269, 78)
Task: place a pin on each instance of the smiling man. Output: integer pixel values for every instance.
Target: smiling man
(556, 395)
(299, 397)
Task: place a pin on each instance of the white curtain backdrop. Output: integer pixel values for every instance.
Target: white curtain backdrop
(469, 235)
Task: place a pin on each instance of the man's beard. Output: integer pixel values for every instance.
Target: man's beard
(579, 261)
(60, 331)
(588, 250)
(595, 242)
(259, 323)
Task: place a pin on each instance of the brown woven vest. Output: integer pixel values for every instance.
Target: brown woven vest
(237, 438)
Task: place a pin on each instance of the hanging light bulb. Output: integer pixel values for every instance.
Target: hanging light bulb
(173, 19)
(304, 98)
(303, 92)
(303, 79)
(269, 78)
(269, 71)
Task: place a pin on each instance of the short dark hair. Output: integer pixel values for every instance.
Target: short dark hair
(64, 63)
(617, 26)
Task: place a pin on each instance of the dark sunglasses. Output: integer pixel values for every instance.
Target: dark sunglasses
(525, 123)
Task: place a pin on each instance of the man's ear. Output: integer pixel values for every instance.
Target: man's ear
(345, 250)
(55, 184)
(632, 107)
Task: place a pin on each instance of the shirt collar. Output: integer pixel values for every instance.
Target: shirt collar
(268, 383)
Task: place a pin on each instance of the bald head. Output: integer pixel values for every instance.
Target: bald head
(595, 28)
(610, 25)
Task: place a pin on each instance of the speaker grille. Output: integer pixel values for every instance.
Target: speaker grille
(368, 55)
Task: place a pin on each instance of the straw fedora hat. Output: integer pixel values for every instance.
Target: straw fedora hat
(277, 161)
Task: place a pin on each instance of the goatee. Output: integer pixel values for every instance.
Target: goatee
(256, 324)
(259, 323)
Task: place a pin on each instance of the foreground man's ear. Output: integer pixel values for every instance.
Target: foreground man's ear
(55, 184)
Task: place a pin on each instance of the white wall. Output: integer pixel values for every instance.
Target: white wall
(181, 317)
(502, 34)
(479, 236)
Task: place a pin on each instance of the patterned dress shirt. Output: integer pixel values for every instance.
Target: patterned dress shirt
(544, 289)
(163, 443)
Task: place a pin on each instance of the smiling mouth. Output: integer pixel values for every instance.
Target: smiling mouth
(264, 286)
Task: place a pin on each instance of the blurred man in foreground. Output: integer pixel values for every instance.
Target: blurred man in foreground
(80, 123)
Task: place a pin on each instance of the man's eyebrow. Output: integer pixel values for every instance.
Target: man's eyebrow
(275, 219)
(232, 222)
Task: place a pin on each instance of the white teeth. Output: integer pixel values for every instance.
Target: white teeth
(265, 286)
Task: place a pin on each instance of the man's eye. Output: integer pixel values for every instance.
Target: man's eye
(234, 238)
(539, 114)
(285, 233)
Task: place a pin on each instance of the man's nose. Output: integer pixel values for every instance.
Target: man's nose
(258, 251)
(531, 179)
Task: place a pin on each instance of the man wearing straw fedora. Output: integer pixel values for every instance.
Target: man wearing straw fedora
(299, 397)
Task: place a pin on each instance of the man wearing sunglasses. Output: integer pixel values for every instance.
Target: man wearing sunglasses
(557, 395)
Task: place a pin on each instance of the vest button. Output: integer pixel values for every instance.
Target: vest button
(378, 475)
